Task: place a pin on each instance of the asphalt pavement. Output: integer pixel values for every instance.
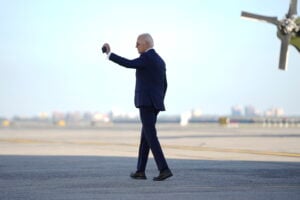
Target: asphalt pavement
(208, 163)
(98, 177)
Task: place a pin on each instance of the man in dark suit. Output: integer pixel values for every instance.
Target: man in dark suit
(150, 90)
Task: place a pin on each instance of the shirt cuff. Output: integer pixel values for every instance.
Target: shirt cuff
(108, 55)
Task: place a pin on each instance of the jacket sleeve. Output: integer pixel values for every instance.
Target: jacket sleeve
(166, 86)
(134, 64)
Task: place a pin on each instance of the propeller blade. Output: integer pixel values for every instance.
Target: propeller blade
(285, 41)
(292, 9)
(272, 20)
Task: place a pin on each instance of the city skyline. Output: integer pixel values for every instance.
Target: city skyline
(234, 111)
(50, 55)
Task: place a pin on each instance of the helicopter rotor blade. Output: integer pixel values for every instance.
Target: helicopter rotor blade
(292, 9)
(272, 20)
(285, 41)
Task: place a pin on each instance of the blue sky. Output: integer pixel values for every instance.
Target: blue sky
(51, 60)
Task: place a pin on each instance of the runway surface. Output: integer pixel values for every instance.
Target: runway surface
(208, 162)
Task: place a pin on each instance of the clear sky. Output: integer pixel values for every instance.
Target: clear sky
(51, 60)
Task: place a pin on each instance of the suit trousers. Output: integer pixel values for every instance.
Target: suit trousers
(149, 140)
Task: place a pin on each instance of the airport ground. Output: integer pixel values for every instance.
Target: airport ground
(208, 162)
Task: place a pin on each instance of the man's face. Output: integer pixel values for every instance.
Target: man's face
(141, 45)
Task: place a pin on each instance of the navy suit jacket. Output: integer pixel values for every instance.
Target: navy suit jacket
(151, 82)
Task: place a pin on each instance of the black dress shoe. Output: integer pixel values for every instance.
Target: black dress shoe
(163, 175)
(138, 175)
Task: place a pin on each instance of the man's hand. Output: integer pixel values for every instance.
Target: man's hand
(106, 48)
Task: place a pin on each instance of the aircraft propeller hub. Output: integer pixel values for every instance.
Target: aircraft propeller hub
(288, 26)
(288, 30)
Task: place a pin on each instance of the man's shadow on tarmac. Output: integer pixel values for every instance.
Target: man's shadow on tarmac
(84, 177)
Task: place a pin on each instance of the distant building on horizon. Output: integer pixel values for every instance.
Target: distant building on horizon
(237, 111)
(251, 111)
(274, 112)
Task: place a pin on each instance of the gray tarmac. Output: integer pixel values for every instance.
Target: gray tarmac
(207, 162)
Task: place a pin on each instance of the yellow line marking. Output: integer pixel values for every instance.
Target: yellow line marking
(188, 148)
(245, 151)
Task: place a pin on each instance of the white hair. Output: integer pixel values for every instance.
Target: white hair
(148, 39)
